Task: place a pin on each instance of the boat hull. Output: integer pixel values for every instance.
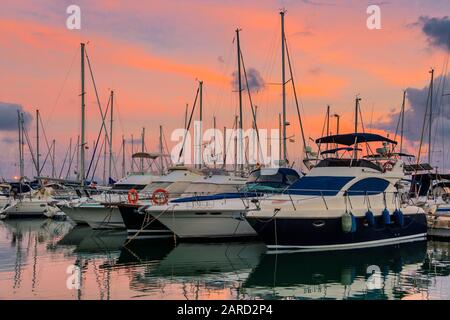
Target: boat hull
(206, 224)
(25, 209)
(326, 233)
(142, 225)
(103, 218)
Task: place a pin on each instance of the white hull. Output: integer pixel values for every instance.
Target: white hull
(26, 208)
(95, 215)
(205, 222)
(100, 217)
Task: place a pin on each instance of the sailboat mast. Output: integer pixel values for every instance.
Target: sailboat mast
(402, 121)
(430, 120)
(199, 138)
(357, 100)
(142, 149)
(21, 168)
(161, 157)
(123, 156)
(82, 173)
(38, 166)
(53, 158)
(240, 150)
(283, 82)
(328, 122)
(132, 152)
(111, 137)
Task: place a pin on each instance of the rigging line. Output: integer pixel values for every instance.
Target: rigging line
(98, 101)
(25, 131)
(251, 106)
(63, 85)
(75, 151)
(64, 163)
(368, 149)
(98, 159)
(99, 136)
(189, 124)
(295, 94)
(46, 142)
(423, 128)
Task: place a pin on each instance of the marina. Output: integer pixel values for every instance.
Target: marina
(37, 253)
(282, 204)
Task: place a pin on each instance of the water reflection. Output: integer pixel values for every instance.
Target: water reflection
(337, 274)
(35, 254)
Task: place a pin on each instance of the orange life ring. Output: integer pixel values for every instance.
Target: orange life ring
(160, 197)
(133, 196)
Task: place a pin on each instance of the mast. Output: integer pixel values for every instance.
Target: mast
(328, 122)
(53, 157)
(199, 138)
(214, 150)
(235, 146)
(240, 150)
(111, 137)
(38, 167)
(82, 173)
(280, 140)
(161, 157)
(142, 149)
(283, 82)
(123, 156)
(132, 152)
(402, 121)
(21, 167)
(357, 100)
(430, 120)
(105, 181)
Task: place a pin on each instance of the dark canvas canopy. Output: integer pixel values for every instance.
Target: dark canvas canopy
(353, 138)
(339, 149)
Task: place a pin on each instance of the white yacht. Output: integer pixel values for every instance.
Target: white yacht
(341, 204)
(221, 215)
(99, 211)
(33, 204)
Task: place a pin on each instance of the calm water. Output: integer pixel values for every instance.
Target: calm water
(38, 256)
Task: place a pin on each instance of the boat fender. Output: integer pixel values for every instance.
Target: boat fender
(399, 218)
(386, 217)
(370, 218)
(348, 222)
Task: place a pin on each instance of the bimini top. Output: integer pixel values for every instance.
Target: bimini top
(353, 138)
(331, 151)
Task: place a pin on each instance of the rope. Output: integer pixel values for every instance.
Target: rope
(145, 225)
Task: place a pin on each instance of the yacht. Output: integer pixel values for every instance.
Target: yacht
(100, 212)
(174, 184)
(30, 204)
(221, 215)
(341, 204)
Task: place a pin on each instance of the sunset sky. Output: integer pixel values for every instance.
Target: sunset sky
(152, 53)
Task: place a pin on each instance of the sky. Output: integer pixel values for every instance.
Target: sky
(152, 55)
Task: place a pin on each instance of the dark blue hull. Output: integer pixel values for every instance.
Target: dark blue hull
(319, 234)
(142, 224)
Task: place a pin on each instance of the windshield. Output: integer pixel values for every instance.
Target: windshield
(270, 180)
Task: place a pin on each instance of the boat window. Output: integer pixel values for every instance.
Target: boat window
(368, 186)
(156, 185)
(126, 187)
(333, 162)
(319, 185)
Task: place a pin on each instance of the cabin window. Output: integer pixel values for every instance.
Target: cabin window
(319, 185)
(370, 186)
